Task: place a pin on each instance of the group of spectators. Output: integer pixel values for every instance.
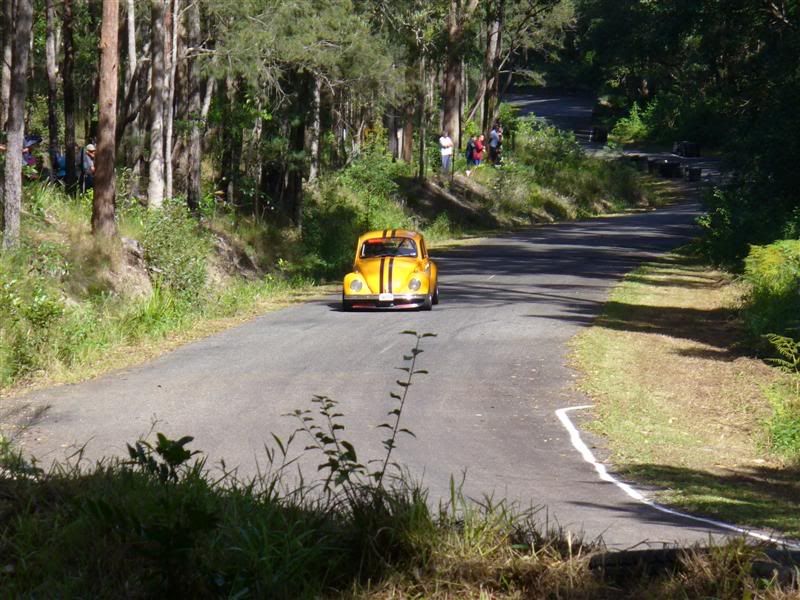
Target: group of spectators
(475, 150)
(33, 163)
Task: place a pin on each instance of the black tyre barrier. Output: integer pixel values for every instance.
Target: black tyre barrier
(687, 149)
(599, 134)
(693, 173)
(669, 168)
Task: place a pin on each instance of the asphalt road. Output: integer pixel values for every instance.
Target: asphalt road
(498, 372)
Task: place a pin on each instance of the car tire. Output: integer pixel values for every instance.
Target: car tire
(436, 295)
(427, 303)
(346, 306)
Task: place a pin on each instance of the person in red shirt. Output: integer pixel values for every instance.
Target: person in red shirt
(477, 153)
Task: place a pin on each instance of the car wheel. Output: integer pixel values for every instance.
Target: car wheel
(428, 303)
(346, 306)
(436, 295)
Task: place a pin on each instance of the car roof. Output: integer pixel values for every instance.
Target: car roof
(388, 233)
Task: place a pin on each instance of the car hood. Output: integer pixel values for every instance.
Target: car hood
(392, 272)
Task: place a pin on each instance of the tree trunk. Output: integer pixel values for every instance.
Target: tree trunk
(452, 73)
(491, 63)
(16, 122)
(52, 88)
(130, 72)
(195, 135)
(407, 151)
(170, 100)
(421, 116)
(313, 171)
(133, 149)
(70, 154)
(103, 207)
(5, 70)
(458, 16)
(155, 184)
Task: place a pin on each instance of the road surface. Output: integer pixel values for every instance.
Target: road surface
(498, 372)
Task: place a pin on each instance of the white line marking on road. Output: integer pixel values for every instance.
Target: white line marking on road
(491, 277)
(602, 472)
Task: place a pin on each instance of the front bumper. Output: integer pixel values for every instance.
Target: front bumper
(374, 301)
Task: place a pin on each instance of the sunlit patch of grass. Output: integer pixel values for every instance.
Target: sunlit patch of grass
(679, 404)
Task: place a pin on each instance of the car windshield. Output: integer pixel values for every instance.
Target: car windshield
(395, 246)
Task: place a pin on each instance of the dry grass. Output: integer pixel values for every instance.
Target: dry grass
(681, 405)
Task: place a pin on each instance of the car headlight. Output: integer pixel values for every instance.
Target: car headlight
(356, 285)
(414, 284)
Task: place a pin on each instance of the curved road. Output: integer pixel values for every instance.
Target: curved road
(498, 371)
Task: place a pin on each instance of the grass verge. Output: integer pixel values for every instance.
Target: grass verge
(72, 307)
(681, 406)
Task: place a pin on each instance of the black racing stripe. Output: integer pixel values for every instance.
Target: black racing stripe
(384, 233)
(380, 287)
(391, 268)
(394, 231)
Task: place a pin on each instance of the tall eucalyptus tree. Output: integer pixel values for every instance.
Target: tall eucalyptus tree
(103, 206)
(155, 182)
(12, 194)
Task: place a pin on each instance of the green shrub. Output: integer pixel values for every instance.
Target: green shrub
(669, 117)
(774, 273)
(175, 248)
(364, 196)
(549, 172)
(784, 424)
(634, 127)
(739, 216)
(30, 312)
(440, 229)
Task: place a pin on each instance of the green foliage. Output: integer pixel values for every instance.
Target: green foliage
(165, 461)
(364, 196)
(175, 248)
(60, 311)
(442, 228)
(725, 78)
(29, 315)
(471, 128)
(784, 424)
(507, 114)
(636, 126)
(774, 274)
(548, 176)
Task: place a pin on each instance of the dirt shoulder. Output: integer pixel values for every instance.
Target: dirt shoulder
(681, 407)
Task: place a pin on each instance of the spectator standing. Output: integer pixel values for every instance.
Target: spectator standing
(446, 148)
(494, 143)
(499, 145)
(480, 148)
(87, 167)
(470, 153)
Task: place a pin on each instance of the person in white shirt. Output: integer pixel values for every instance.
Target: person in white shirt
(446, 148)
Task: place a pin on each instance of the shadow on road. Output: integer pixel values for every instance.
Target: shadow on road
(762, 497)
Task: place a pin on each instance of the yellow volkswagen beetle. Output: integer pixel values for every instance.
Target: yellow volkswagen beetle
(391, 270)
